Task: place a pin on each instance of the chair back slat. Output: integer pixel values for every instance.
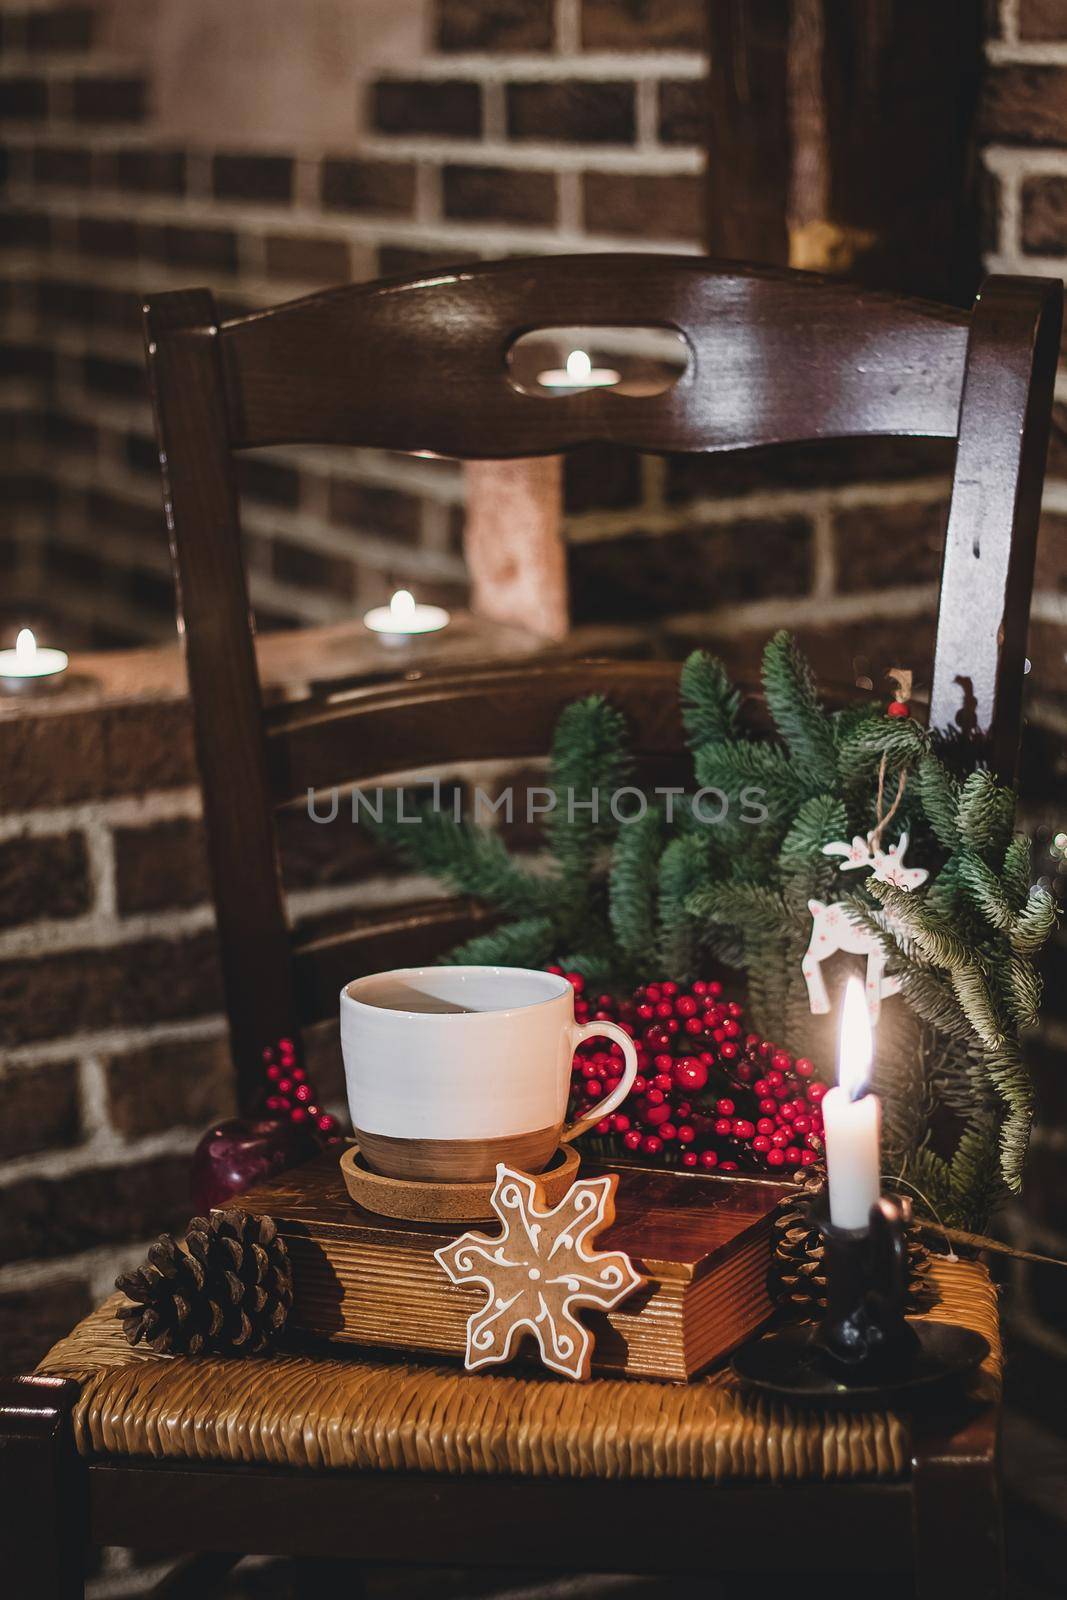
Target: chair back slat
(478, 716)
(421, 364)
(413, 936)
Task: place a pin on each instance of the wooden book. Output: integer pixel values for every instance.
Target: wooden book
(702, 1242)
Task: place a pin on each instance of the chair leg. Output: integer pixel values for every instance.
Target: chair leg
(957, 1517)
(42, 1491)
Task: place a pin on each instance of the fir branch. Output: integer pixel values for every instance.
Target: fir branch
(1005, 1071)
(985, 813)
(1034, 924)
(710, 703)
(986, 892)
(1018, 871)
(681, 870)
(748, 906)
(527, 943)
(933, 939)
(632, 886)
(803, 725)
(976, 1182)
(899, 739)
(589, 761)
(972, 991)
(469, 859)
(939, 793)
(1021, 988)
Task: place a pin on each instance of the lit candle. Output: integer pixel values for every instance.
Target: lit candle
(578, 374)
(401, 618)
(852, 1120)
(28, 669)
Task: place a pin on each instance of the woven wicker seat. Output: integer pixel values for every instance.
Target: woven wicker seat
(376, 1413)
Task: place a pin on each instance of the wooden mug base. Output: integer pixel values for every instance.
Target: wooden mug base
(456, 1160)
(423, 1201)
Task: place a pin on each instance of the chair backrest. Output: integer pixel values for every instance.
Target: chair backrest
(421, 364)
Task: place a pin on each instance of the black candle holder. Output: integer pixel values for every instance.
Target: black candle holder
(865, 1351)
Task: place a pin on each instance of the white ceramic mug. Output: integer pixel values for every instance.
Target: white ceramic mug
(452, 1069)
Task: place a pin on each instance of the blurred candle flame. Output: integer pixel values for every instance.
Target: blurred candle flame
(25, 646)
(855, 1046)
(402, 605)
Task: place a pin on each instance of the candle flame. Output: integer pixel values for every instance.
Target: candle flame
(402, 605)
(579, 367)
(25, 645)
(855, 1044)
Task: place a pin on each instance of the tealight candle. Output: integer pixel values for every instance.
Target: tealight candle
(578, 374)
(852, 1120)
(402, 617)
(28, 669)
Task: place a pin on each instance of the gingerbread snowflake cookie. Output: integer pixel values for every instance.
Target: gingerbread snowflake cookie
(540, 1270)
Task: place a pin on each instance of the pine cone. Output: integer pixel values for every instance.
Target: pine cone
(796, 1276)
(226, 1292)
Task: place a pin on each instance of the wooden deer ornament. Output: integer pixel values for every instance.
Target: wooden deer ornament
(834, 928)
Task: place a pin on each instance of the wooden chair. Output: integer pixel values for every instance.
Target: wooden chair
(420, 364)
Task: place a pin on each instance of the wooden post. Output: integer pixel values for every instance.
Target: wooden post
(514, 543)
(841, 139)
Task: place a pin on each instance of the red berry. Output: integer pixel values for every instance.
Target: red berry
(657, 1114)
(723, 1126)
(664, 1009)
(667, 1131)
(632, 1140)
(807, 1157)
(556, 969)
(285, 1085)
(715, 988)
(593, 1088)
(792, 1155)
(327, 1123)
(765, 1125)
(654, 1097)
(700, 987)
(274, 1073)
(298, 1114)
(639, 1085)
(303, 1092)
(769, 1107)
(663, 1062)
(801, 1124)
(725, 1108)
(708, 1159)
(816, 1092)
(645, 1010)
(804, 1066)
(731, 1029)
(686, 1134)
(694, 1025)
(897, 708)
(729, 1051)
(743, 1129)
(727, 1166)
(690, 1074)
(781, 1061)
(620, 1121)
(576, 981)
(779, 1139)
(669, 988)
(689, 1158)
(650, 1145)
(604, 1125)
(664, 1081)
(761, 1143)
(686, 1006)
(775, 1158)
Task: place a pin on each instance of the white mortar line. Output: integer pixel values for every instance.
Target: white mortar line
(1025, 161)
(99, 1265)
(1030, 53)
(606, 66)
(593, 526)
(741, 618)
(568, 28)
(1009, 21)
(162, 805)
(646, 114)
(105, 1149)
(114, 1041)
(387, 147)
(100, 843)
(823, 553)
(93, 1099)
(98, 931)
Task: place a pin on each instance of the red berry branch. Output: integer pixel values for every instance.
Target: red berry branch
(709, 1094)
(290, 1093)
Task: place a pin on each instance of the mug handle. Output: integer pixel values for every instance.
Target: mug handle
(603, 1030)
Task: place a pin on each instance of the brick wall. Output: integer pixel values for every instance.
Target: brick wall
(532, 127)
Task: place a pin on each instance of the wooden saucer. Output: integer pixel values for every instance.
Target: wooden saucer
(418, 1201)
